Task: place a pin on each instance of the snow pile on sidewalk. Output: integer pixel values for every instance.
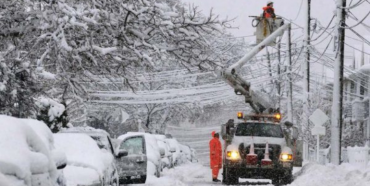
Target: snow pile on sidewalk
(331, 175)
(183, 175)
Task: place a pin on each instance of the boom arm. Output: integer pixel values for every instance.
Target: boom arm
(242, 87)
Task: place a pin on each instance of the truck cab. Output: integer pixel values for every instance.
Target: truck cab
(258, 147)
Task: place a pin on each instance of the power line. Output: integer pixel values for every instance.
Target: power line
(360, 22)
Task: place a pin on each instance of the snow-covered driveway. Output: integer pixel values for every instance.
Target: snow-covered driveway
(194, 174)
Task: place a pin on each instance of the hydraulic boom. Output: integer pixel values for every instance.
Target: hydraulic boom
(257, 101)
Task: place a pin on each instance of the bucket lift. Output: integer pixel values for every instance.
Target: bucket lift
(268, 30)
(265, 27)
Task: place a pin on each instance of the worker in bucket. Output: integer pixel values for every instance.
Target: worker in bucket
(269, 11)
(215, 156)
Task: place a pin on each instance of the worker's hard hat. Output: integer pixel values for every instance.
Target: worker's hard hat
(270, 2)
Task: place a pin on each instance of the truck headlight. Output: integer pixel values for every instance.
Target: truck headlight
(234, 155)
(286, 157)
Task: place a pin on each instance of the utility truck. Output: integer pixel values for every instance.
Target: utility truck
(259, 146)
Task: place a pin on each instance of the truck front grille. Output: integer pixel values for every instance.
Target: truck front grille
(259, 149)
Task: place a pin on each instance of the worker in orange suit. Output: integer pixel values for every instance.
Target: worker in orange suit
(269, 11)
(215, 151)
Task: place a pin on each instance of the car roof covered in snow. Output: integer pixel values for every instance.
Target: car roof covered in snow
(82, 151)
(85, 129)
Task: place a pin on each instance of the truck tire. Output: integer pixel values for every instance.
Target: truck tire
(283, 179)
(229, 176)
(287, 178)
(142, 179)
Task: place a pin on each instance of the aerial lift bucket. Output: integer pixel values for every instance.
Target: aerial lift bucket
(265, 27)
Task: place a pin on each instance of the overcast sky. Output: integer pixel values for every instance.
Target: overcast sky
(241, 9)
(293, 10)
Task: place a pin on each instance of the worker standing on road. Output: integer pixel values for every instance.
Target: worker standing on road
(269, 11)
(215, 155)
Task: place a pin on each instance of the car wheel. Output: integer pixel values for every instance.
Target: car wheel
(229, 176)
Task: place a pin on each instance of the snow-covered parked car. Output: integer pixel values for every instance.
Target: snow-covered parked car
(175, 150)
(104, 142)
(87, 165)
(101, 137)
(185, 153)
(27, 156)
(46, 136)
(143, 157)
(167, 159)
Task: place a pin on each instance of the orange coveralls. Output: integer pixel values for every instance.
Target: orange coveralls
(215, 151)
(269, 12)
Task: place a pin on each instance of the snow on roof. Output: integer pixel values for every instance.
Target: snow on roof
(82, 151)
(42, 131)
(85, 129)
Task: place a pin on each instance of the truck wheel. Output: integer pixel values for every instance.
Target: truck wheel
(142, 179)
(283, 179)
(287, 178)
(229, 177)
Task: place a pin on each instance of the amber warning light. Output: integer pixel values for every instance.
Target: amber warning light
(240, 115)
(278, 116)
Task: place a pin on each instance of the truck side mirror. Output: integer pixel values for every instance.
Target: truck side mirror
(223, 131)
(295, 133)
(288, 124)
(232, 130)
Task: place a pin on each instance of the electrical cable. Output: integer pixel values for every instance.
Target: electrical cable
(299, 10)
(324, 30)
(348, 27)
(355, 5)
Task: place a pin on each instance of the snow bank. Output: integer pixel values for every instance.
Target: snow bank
(330, 175)
(4, 181)
(184, 175)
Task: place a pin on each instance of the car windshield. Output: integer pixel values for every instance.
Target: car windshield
(133, 145)
(259, 129)
(102, 141)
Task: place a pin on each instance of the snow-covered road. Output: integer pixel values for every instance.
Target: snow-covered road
(194, 174)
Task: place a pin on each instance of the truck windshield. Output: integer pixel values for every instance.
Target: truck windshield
(259, 129)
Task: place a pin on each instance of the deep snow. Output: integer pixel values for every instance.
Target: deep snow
(195, 174)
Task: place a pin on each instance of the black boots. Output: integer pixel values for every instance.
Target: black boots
(216, 180)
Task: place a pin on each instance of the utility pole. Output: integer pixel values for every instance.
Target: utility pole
(290, 97)
(337, 107)
(279, 72)
(269, 63)
(306, 88)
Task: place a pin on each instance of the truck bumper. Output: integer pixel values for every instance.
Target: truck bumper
(278, 169)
